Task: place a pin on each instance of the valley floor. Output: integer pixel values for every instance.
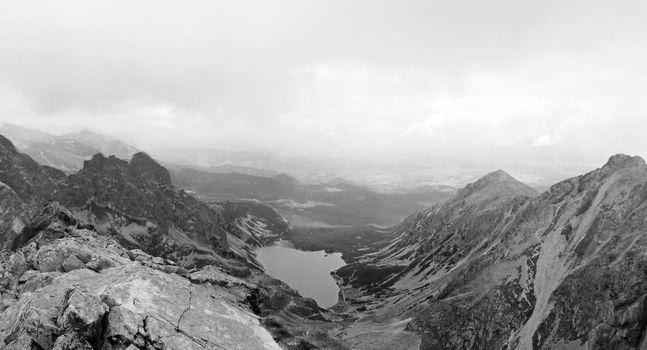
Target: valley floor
(367, 335)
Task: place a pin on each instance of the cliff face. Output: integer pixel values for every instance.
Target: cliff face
(564, 269)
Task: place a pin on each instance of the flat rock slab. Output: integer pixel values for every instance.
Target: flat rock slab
(176, 313)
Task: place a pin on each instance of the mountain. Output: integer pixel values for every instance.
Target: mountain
(105, 144)
(136, 203)
(66, 152)
(23, 137)
(116, 257)
(234, 185)
(63, 154)
(330, 204)
(231, 168)
(498, 267)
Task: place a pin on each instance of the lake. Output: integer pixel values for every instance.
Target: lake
(307, 272)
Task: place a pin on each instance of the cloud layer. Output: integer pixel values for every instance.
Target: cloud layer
(494, 80)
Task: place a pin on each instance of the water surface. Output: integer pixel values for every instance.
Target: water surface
(307, 272)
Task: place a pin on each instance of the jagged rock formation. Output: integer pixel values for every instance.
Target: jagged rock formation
(136, 203)
(496, 268)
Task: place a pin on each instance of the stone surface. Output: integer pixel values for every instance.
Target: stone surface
(71, 341)
(123, 326)
(72, 263)
(80, 310)
(126, 305)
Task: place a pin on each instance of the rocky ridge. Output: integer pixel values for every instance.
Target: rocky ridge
(136, 203)
(562, 270)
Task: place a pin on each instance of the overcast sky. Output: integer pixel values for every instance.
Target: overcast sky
(479, 79)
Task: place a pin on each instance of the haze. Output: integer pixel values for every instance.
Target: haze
(496, 82)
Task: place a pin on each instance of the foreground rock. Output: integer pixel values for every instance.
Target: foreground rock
(108, 301)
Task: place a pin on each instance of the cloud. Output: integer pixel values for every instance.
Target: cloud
(468, 78)
(543, 141)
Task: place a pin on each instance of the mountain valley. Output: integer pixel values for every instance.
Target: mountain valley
(123, 253)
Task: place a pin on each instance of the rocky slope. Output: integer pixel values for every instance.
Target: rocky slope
(71, 288)
(498, 268)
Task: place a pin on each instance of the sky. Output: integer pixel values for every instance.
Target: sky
(480, 80)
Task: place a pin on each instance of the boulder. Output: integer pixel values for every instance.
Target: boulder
(32, 329)
(38, 280)
(81, 311)
(123, 326)
(99, 263)
(49, 259)
(72, 263)
(71, 341)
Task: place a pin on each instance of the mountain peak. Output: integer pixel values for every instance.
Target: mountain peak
(144, 166)
(497, 175)
(620, 161)
(496, 183)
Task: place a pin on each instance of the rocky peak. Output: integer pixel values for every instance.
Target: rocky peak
(621, 161)
(111, 166)
(144, 167)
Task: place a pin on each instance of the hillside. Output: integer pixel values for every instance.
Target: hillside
(498, 267)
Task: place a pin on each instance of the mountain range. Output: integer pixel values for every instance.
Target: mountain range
(125, 254)
(66, 152)
(500, 267)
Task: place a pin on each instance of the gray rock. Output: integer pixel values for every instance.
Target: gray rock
(17, 264)
(38, 281)
(49, 259)
(99, 263)
(71, 341)
(23, 342)
(72, 263)
(122, 326)
(27, 275)
(80, 310)
(35, 325)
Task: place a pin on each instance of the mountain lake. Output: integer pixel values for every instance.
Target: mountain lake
(306, 271)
